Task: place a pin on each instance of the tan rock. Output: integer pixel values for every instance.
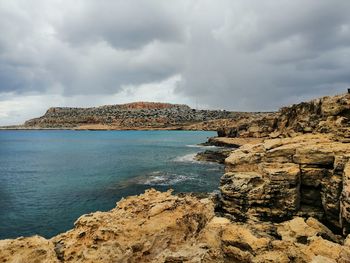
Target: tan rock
(300, 176)
(153, 227)
(325, 248)
(281, 154)
(313, 154)
(296, 230)
(312, 176)
(272, 257)
(322, 259)
(233, 142)
(160, 227)
(27, 250)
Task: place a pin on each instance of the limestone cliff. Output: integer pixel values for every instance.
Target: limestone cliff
(281, 178)
(139, 115)
(324, 115)
(303, 171)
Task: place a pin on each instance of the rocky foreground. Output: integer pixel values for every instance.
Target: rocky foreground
(136, 116)
(161, 227)
(284, 197)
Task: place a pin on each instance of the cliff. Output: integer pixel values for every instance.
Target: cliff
(299, 169)
(138, 115)
(324, 115)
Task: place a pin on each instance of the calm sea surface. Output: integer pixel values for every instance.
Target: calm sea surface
(49, 178)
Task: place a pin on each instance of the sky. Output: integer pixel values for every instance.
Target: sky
(246, 55)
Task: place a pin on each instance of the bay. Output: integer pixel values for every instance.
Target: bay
(50, 178)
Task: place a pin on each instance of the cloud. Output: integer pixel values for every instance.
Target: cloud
(262, 54)
(123, 24)
(240, 55)
(86, 47)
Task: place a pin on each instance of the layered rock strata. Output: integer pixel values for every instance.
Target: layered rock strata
(300, 168)
(277, 179)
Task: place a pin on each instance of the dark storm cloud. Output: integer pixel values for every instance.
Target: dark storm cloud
(87, 47)
(124, 24)
(265, 54)
(243, 55)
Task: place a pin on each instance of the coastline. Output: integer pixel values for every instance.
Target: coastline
(284, 197)
(78, 129)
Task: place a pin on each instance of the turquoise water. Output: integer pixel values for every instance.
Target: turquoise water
(49, 178)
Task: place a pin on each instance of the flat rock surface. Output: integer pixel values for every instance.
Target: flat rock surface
(232, 142)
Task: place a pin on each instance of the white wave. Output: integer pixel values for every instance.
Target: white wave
(188, 158)
(165, 179)
(194, 145)
(202, 146)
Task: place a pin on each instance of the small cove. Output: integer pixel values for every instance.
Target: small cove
(50, 178)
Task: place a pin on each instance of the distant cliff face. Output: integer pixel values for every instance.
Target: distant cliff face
(138, 115)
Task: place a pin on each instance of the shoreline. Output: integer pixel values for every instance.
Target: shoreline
(78, 129)
(143, 219)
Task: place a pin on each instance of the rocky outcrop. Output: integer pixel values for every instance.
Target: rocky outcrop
(154, 227)
(325, 115)
(306, 175)
(231, 142)
(27, 250)
(161, 227)
(302, 172)
(140, 115)
(216, 156)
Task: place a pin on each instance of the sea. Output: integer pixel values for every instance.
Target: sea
(50, 178)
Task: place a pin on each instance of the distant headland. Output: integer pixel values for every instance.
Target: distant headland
(135, 116)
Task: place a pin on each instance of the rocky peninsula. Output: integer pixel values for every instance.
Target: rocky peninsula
(136, 116)
(284, 197)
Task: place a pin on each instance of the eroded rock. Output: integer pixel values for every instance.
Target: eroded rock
(27, 250)
(328, 115)
(305, 175)
(161, 227)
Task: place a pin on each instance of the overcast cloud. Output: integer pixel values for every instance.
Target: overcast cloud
(238, 55)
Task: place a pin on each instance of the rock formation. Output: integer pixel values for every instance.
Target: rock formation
(303, 172)
(139, 115)
(161, 227)
(281, 178)
(324, 115)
